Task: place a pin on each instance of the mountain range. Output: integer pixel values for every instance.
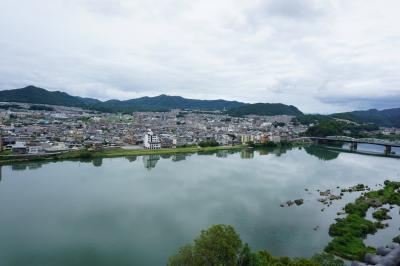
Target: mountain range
(35, 95)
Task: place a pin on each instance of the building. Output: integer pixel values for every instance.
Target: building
(275, 138)
(35, 149)
(151, 141)
(19, 148)
(247, 138)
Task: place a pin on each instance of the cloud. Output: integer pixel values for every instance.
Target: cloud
(322, 56)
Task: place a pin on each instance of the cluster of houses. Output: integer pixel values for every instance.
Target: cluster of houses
(25, 131)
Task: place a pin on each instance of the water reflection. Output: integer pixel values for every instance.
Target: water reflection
(131, 158)
(321, 153)
(25, 166)
(165, 156)
(222, 154)
(97, 162)
(150, 161)
(179, 157)
(247, 154)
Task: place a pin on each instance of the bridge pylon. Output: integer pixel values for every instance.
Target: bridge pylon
(388, 149)
(353, 146)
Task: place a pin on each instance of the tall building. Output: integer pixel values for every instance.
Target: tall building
(151, 141)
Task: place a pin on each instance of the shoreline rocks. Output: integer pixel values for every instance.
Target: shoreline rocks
(385, 256)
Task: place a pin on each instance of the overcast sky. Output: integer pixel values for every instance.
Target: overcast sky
(322, 56)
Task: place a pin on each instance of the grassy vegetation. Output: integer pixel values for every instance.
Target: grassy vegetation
(118, 152)
(5, 152)
(349, 232)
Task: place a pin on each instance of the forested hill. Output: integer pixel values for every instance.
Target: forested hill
(265, 109)
(174, 102)
(386, 117)
(32, 94)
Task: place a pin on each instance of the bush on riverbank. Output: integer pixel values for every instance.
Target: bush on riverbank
(208, 143)
(221, 245)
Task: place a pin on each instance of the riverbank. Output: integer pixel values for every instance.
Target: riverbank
(118, 152)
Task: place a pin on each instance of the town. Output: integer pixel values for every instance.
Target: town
(31, 129)
(37, 129)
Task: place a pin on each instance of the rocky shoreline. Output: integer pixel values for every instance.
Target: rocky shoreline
(385, 256)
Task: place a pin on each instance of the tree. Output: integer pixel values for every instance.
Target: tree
(208, 143)
(325, 128)
(219, 245)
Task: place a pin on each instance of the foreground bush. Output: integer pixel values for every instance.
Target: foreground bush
(220, 245)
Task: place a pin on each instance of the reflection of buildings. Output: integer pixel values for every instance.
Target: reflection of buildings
(97, 162)
(131, 158)
(222, 154)
(246, 154)
(178, 157)
(34, 165)
(26, 166)
(165, 156)
(264, 151)
(19, 167)
(150, 161)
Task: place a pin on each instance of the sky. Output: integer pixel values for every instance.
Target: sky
(322, 56)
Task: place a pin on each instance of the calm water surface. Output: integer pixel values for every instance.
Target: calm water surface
(139, 210)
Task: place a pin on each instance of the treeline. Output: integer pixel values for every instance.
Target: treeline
(221, 245)
(41, 108)
(32, 107)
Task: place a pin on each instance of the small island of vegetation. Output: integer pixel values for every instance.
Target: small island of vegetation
(348, 232)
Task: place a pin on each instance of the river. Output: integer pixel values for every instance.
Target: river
(140, 210)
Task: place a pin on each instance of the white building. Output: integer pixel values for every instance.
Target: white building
(35, 149)
(151, 141)
(275, 138)
(56, 147)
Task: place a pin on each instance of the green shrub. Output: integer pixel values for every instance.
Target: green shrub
(349, 247)
(381, 214)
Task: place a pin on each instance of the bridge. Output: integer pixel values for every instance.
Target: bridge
(355, 141)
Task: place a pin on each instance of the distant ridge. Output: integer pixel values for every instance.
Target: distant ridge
(385, 118)
(32, 94)
(36, 95)
(174, 102)
(267, 109)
